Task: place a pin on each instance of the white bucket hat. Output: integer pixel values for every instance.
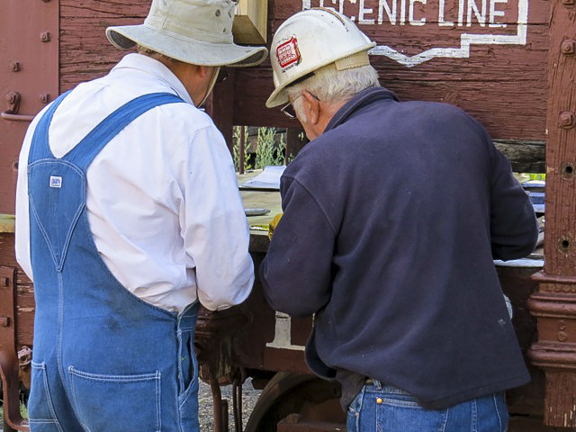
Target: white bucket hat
(193, 31)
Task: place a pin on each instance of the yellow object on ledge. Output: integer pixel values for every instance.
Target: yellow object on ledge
(273, 225)
(262, 200)
(7, 223)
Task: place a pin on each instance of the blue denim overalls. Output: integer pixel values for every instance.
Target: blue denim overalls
(103, 360)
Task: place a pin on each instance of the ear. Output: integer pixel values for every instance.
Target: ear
(202, 71)
(312, 107)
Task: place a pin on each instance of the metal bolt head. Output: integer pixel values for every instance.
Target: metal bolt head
(12, 97)
(567, 120)
(568, 47)
(44, 98)
(15, 66)
(45, 36)
(4, 321)
(5, 282)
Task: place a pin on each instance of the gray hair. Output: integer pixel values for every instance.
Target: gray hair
(332, 85)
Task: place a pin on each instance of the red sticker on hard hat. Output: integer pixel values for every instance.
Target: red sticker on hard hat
(288, 53)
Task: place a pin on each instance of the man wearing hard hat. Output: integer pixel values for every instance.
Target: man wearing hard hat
(393, 214)
(129, 217)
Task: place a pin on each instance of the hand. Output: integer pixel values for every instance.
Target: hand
(273, 225)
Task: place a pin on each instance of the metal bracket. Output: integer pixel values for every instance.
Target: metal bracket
(9, 364)
(13, 99)
(554, 307)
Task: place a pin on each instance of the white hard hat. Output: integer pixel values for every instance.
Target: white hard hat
(312, 39)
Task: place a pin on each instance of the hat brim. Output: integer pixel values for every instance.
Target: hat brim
(185, 49)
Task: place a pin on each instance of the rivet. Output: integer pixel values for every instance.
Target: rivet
(567, 119)
(45, 36)
(379, 400)
(5, 281)
(15, 66)
(4, 321)
(568, 47)
(44, 98)
(562, 336)
(218, 12)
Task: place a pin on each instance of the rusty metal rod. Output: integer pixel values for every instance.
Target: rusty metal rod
(16, 117)
(237, 404)
(217, 401)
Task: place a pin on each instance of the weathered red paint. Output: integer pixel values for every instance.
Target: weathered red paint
(29, 36)
(503, 85)
(555, 303)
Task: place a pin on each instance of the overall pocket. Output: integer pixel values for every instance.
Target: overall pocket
(188, 397)
(117, 402)
(41, 412)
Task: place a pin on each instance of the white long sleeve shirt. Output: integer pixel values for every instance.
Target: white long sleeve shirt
(162, 200)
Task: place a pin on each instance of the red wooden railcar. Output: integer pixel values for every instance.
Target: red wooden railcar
(511, 64)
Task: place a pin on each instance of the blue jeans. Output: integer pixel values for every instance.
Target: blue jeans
(380, 408)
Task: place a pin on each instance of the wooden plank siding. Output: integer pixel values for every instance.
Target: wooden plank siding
(85, 52)
(504, 86)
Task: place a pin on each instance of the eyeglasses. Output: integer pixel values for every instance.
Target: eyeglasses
(289, 110)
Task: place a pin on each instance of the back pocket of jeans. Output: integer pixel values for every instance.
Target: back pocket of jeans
(40, 408)
(117, 402)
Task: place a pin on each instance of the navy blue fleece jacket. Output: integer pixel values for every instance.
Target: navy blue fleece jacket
(392, 219)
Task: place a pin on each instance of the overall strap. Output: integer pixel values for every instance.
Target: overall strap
(84, 153)
(39, 148)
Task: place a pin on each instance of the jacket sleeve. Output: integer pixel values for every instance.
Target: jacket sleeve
(215, 229)
(297, 271)
(513, 223)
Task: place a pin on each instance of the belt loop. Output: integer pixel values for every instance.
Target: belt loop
(375, 383)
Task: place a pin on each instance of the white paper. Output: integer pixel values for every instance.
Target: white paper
(269, 178)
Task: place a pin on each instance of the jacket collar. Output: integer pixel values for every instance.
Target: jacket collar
(359, 100)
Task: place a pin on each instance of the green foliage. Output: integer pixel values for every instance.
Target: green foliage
(236, 148)
(268, 152)
(524, 177)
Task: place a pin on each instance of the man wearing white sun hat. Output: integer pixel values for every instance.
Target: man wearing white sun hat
(128, 218)
(393, 214)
